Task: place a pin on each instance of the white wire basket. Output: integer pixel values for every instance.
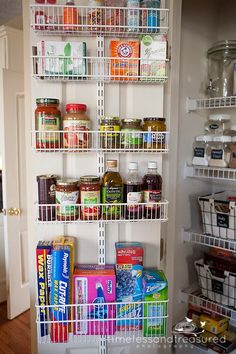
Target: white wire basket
(89, 20)
(56, 324)
(116, 212)
(106, 69)
(72, 140)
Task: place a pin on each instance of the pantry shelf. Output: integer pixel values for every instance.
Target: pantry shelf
(105, 69)
(209, 241)
(101, 20)
(86, 213)
(80, 141)
(210, 103)
(215, 173)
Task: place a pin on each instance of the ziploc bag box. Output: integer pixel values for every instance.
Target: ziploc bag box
(44, 282)
(155, 288)
(94, 285)
(61, 58)
(60, 295)
(129, 268)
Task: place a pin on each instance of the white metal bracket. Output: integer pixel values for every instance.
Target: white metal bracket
(191, 105)
(186, 236)
(188, 171)
(101, 243)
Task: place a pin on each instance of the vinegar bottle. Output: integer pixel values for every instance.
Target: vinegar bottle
(152, 191)
(133, 193)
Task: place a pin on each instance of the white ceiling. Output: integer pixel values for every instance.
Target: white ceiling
(9, 9)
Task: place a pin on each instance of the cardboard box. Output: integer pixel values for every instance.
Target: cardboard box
(124, 68)
(215, 325)
(94, 284)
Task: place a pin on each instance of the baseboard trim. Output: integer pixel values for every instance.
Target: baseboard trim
(3, 290)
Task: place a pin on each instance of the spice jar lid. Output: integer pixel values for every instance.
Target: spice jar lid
(111, 163)
(67, 181)
(131, 120)
(89, 179)
(76, 107)
(222, 138)
(47, 101)
(133, 166)
(220, 117)
(46, 177)
(108, 118)
(154, 119)
(152, 164)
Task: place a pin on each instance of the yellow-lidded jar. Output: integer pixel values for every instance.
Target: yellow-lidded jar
(154, 139)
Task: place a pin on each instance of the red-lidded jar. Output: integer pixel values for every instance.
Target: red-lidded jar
(89, 195)
(76, 124)
(67, 196)
(47, 123)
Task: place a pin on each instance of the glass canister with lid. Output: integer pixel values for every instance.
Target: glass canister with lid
(154, 138)
(67, 196)
(219, 151)
(110, 132)
(201, 150)
(89, 195)
(131, 136)
(217, 123)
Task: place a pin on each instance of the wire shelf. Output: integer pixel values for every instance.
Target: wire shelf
(85, 213)
(215, 173)
(105, 69)
(71, 140)
(209, 241)
(210, 103)
(101, 20)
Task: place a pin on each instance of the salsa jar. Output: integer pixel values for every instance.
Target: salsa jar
(67, 196)
(110, 133)
(154, 139)
(47, 195)
(47, 123)
(131, 136)
(89, 195)
(76, 127)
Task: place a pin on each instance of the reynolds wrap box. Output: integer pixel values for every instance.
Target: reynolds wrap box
(60, 295)
(44, 281)
(61, 58)
(129, 268)
(155, 288)
(95, 285)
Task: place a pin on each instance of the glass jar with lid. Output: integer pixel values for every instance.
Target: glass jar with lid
(89, 195)
(154, 139)
(110, 132)
(219, 151)
(131, 136)
(67, 196)
(221, 57)
(217, 123)
(201, 150)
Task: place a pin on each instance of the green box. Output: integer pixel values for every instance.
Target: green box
(155, 288)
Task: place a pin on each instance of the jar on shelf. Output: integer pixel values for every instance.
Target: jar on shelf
(114, 18)
(89, 195)
(131, 134)
(221, 58)
(231, 131)
(219, 151)
(95, 15)
(132, 16)
(110, 133)
(70, 17)
(217, 123)
(150, 19)
(232, 149)
(67, 196)
(76, 126)
(47, 123)
(201, 150)
(154, 139)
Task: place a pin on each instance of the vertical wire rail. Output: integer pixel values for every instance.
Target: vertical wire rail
(100, 166)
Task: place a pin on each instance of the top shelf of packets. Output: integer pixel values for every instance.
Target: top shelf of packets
(107, 21)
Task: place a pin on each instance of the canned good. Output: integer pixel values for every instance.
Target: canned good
(47, 123)
(154, 139)
(131, 136)
(47, 195)
(110, 136)
(67, 196)
(89, 195)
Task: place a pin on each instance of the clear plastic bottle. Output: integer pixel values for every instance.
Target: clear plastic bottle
(201, 150)
(133, 193)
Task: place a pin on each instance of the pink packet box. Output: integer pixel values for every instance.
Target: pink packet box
(94, 285)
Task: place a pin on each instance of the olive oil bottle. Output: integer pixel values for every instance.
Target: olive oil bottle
(112, 191)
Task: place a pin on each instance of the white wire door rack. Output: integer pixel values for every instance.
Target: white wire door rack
(100, 20)
(212, 173)
(94, 213)
(105, 69)
(194, 104)
(81, 141)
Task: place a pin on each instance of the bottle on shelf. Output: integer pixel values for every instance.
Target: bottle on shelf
(70, 16)
(152, 191)
(150, 18)
(133, 15)
(112, 191)
(133, 193)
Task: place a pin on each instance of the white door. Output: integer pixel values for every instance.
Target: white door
(12, 129)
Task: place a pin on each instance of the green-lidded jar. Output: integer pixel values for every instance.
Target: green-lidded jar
(110, 132)
(131, 136)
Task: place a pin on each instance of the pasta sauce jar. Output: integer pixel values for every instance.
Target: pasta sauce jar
(47, 123)
(154, 139)
(67, 196)
(76, 125)
(89, 195)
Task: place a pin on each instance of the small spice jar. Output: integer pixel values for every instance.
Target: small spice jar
(67, 195)
(47, 123)
(110, 136)
(201, 151)
(155, 140)
(76, 124)
(217, 123)
(232, 149)
(89, 195)
(219, 151)
(131, 136)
